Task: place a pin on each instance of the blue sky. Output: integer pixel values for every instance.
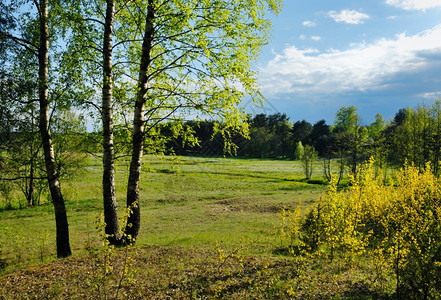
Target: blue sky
(378, 55)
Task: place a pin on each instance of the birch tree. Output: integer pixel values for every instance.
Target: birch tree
(29, 31)
(163, 61)
(195, 58)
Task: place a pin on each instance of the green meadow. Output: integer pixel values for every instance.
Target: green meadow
(208, 230)
(186, 201)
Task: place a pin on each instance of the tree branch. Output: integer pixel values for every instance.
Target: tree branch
(24, 43)
(94, 20)
(37, 5)
(122, 7)
(93, 154)
(21, 177)
(94, 105)
(125, 41)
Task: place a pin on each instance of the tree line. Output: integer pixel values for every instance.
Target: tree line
(412, 136)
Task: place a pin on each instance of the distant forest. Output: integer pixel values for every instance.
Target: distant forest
(413, 136)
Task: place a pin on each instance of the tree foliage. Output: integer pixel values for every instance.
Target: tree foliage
(161, 61)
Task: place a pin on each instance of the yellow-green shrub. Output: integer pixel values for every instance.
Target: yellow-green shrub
(288, 228)
(396, 223)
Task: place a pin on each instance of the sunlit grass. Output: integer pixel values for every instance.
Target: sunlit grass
(209, 229)
(187, 201)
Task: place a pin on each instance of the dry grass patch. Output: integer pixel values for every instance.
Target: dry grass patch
(182, 273)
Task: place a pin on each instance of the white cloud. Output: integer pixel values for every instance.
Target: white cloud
(348, 16)
(309, 24)
(302, 37)
(316, 38)
(414, 4)
(430, 95)
(363, 67)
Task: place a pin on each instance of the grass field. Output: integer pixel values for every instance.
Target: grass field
(185, 201)
(207, 232)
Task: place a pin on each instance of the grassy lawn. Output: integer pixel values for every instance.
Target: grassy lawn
(186, 201)
(207, 232)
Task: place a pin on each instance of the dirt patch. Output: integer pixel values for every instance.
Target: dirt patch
(249, 205)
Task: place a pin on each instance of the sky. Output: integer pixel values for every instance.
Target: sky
(378, 55)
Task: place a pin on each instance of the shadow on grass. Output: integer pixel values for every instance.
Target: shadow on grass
(312, 181)
(359, 290)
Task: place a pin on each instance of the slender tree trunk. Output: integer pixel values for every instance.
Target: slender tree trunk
(63, 246)
(109, 197)
(31, 184)
(138, 128)
(30, 194)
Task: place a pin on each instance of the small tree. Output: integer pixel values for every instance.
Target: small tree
(308, 157)
(298, 154)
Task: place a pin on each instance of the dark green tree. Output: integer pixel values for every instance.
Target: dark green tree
(321, 137)
(301, 131)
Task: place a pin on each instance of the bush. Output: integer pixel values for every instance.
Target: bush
(395, 223)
